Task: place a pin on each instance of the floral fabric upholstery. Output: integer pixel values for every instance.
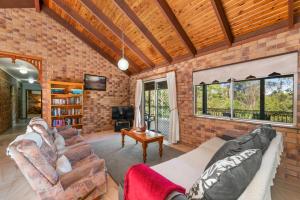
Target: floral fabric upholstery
(87, 180)
(68, 133)
(33, 153)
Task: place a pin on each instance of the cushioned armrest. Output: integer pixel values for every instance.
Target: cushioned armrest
(87, 170)
(68, 133)
(74, 140)
(61, 128)
(78, 153)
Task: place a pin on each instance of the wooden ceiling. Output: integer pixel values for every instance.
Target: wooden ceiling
(160, 32)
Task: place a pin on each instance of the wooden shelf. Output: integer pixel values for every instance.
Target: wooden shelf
(67, 105)
(63, 98)
(67, 116)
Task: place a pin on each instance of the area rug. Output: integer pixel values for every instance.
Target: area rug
(119, 159)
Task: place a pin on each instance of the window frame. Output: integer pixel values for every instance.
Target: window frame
(256, 121)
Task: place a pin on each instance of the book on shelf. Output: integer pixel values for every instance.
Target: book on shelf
(66, 106)
(67, 101)
(66, 122)
(65, 111)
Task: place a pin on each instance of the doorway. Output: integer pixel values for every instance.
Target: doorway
(156, 106)
(33, 103)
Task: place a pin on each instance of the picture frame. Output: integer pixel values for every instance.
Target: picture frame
(94, 82)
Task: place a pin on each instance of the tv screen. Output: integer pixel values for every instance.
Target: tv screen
(122, 112)
(92, 82)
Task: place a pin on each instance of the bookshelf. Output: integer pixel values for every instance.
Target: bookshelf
(66, 104)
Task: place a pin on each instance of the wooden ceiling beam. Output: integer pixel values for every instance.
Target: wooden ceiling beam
(37, 5)
(169, 14)
(135, 19)
(219, 10)
(291, 17)
(78, 34)
(91, 29)
(116, 31)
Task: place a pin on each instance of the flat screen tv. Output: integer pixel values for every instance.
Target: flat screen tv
(122, 112)
(92, 82)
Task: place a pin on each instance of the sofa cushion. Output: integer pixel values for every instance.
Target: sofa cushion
(265, 133)
(33, 153)
(227, 178)
(63, 165)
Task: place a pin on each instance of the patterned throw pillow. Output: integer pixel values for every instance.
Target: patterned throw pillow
(228, 178)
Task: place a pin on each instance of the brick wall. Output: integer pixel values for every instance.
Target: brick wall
(65, 58)
(7, 83)
(194, 131)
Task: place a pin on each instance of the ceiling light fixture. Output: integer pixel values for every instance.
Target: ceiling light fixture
(31, 80)
(123, 63)
(23, 70)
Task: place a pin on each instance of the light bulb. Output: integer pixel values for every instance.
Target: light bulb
(30, 80)
(123, 64)
(23, 70)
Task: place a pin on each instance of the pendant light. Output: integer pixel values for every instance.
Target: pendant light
(123, 63)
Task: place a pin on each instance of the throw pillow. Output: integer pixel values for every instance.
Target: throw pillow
(230, 148)
(59, 142)
(63, 165)
(228, 178)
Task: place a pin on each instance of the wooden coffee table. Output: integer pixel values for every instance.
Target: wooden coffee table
(145, 138)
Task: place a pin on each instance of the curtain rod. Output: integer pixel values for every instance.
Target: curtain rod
(157, 74)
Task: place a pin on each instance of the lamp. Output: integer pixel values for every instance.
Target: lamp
(123, 63)
(30, 80)
(23, 70)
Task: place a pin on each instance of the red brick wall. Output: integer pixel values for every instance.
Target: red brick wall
(65, 58)
(194, 131)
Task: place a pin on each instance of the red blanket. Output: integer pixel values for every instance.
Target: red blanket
(143, 183)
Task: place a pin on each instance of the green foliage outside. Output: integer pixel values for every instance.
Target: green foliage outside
(246, 103)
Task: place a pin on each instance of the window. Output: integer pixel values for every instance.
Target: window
(246, 99)
(279, 99)
(218, 99)
(269, 98)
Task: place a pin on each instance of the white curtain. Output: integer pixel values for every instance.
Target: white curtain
(174, 121)
(138, 101)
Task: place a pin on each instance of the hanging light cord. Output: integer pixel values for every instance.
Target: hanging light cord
(123, 44)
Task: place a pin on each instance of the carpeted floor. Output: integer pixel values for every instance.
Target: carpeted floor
(118, 159)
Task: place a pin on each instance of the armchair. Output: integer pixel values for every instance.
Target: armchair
(87, 180)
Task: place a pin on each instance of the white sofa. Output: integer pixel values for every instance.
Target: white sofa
(186, 169)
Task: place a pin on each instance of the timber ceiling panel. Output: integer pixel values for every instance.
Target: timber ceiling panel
(247, 16)
(158, 25)
(161, 31)
(110, 9)
(199, 21)
(87, 16)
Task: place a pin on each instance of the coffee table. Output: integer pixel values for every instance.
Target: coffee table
(144, 138)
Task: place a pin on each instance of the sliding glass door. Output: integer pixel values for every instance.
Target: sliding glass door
(156, 106)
